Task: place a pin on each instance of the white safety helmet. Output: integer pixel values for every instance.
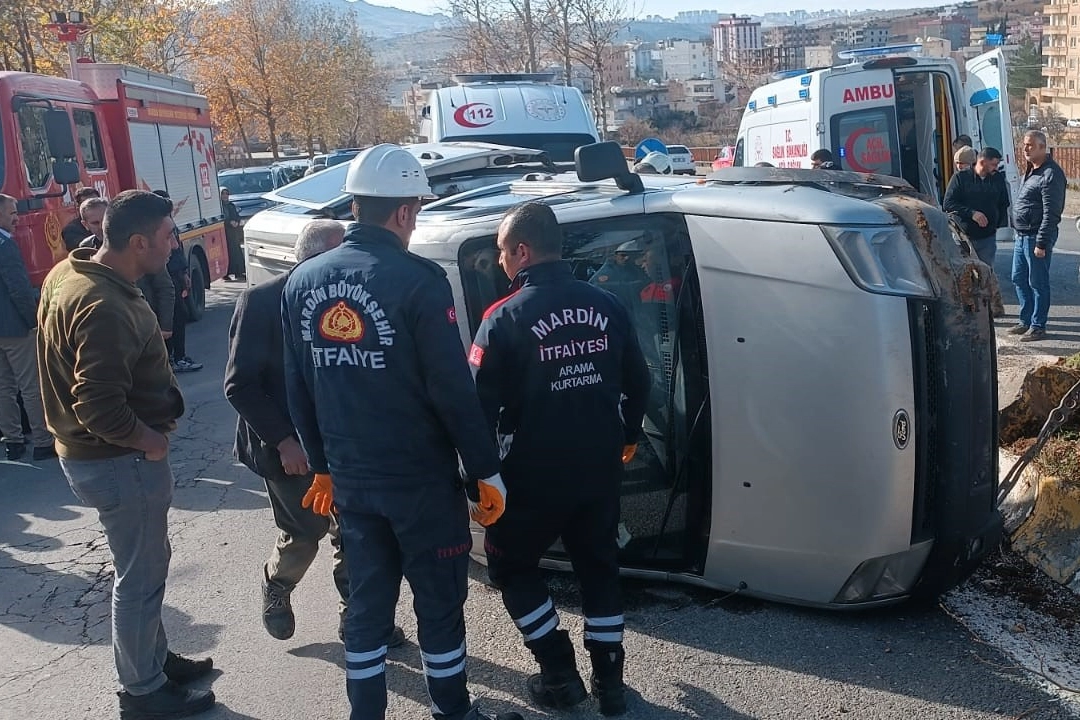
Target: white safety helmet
(387, 170)
(658, 160)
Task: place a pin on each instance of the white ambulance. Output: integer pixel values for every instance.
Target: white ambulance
(520, 109)
(888, 110)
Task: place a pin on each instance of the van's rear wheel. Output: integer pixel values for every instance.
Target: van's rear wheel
(196, 299)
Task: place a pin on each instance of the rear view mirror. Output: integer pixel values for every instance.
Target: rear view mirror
(58, 131)
(603, 161)
(66, 171)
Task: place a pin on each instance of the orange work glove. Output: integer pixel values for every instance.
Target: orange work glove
(628, 453)
(490, 502)
(320, 496)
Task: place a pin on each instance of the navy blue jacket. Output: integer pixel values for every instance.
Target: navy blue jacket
(18, 298)
(553, 361)
(1040, 202)
(378, 386)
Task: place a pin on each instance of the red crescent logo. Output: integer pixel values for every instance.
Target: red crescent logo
(849, 150)
(476, 111)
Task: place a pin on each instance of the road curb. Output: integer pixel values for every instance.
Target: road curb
(1042, 516)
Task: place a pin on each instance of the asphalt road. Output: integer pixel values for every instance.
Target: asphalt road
(692, 654)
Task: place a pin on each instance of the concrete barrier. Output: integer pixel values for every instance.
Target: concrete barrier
(1042, 515)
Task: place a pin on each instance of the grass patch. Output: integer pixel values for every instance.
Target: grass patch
(1060, 457)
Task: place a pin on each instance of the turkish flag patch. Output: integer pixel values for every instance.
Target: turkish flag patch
(451, 315)
(476, 355)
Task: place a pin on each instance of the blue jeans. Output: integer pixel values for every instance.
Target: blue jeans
(1031, 276)
(132, 496)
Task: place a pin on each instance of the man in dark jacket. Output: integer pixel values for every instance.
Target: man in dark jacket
(78, 229)
(177, 270)
(384, 403)
(18, 353)
(554, 361)
(978, 199)
(1036, 216)
(267, 443)
(234, 238)
(822, 159)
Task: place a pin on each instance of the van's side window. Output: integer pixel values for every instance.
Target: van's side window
(35, 145)
(86, 129)
(739, 149)
(866, 141)
(647, 263)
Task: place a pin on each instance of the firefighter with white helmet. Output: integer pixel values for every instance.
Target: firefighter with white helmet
(655, 163)
(384, 403)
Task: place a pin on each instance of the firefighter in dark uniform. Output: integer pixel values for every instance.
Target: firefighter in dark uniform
(621, 275)
(383, 402)
(553, 362)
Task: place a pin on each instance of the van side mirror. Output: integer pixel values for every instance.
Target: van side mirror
(603, 161)
(58, 131)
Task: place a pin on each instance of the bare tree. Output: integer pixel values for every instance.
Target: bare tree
(597, 23)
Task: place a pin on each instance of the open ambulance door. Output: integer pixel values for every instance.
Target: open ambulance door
(986, 92)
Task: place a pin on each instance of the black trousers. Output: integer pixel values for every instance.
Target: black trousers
(588, 523)
(177, 344)
(234, 237)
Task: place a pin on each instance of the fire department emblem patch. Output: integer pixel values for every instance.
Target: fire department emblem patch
(340, 323)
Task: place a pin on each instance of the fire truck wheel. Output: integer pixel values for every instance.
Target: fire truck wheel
(196, 299)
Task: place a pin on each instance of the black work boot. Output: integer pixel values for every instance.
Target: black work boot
(277, 612)
(606, 682)
(558, 686)
(183, 670)
(168, 701)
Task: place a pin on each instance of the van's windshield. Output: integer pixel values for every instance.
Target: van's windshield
(558, 146)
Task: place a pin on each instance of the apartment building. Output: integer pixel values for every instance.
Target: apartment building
(1061, 58)
(954, 28)
(687, 59)
(858, 36)
(792, 36)
(735, 38)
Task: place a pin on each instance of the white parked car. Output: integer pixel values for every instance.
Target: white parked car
(682, 160)
(1074, 123)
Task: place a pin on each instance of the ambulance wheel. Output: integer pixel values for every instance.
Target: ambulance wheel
(196, 299)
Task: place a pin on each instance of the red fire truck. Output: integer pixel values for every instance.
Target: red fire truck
(117, 128)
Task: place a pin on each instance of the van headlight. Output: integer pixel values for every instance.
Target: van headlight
(881, 260)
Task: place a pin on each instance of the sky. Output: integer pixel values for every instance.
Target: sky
(668, 8)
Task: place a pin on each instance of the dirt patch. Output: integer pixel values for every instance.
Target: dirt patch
(1006, 573)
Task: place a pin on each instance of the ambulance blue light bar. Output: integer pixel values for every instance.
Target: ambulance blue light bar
(772, 99)
(878, 52)
(752, 104)
(785, 74)
(804, 94)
